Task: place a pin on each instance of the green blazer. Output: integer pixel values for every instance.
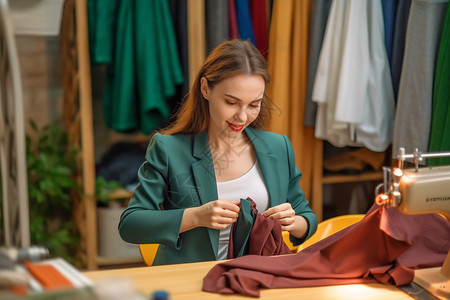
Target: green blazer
(178, 173)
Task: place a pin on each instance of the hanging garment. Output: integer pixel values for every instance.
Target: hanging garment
(196, 37)
(389, 8)
(260, 28)
(216, 21)
(254, 234)
(232, 20)
(353, 85)
(383, 247)
(398, 42)
(102, 23)
(440, 127)
(317, 23)
(244, 21)
(269, 7)
(279, 63)
(302, 137)
(136, 39)
(178, 10)
(287, 66)
(415, 95)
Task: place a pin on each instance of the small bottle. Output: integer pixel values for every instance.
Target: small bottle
(160, 295)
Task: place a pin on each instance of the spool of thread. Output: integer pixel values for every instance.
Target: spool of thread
(33, 253)
(160, 295)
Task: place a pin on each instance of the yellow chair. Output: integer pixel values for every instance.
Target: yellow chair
(329, 227)
(148, 252)
(293, 248)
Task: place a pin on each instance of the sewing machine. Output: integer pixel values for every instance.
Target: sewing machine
(418, 191)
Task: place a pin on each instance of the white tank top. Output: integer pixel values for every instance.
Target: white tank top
(252, 185)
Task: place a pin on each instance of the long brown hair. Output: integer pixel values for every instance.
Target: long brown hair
(229, 59)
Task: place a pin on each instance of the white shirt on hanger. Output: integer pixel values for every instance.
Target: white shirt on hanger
(353, 86)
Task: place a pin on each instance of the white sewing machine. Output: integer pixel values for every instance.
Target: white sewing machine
(418, 191)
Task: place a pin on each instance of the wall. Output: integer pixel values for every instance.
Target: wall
(40, 67)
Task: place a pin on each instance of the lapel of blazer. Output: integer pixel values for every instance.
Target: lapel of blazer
(267, 161)
(205, 179)
(203, 169)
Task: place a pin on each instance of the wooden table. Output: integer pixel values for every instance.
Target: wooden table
(184, 281)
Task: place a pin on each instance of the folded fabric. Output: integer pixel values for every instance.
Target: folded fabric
(48, 276)
(253, 233)
(383, 247)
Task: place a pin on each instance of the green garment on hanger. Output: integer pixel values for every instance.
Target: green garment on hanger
(440, 126)
(136, 40)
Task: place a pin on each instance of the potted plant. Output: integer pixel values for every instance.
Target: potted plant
(51, 164)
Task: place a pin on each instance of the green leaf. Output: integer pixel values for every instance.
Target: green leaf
(51, 167)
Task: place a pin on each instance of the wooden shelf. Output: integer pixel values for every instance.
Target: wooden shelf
(320, 179)
(120, 193)
(368, 176)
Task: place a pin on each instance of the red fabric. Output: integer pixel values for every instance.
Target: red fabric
(384, 247)
(232, 20)
(265, 237)
(258, 11)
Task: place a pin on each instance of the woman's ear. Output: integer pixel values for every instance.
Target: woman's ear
(204, 88)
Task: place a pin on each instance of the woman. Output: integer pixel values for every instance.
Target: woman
(214, 154)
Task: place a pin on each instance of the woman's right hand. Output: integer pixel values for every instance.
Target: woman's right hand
(217, 214)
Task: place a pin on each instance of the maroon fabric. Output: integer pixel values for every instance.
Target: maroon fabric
(265, 238)
(232, 20)
(383, 247)
(258, 10)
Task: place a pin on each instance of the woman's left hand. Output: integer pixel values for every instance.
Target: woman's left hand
(283, 213)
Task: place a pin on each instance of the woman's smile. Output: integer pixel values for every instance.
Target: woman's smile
(235, 127)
